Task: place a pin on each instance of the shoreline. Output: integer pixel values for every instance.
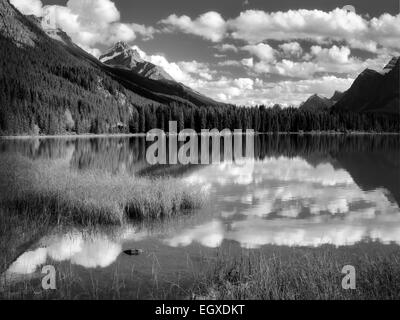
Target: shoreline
(132, 135)
(73, 136)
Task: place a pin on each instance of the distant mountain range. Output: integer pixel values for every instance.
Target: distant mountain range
(317, 103)
(372, 92)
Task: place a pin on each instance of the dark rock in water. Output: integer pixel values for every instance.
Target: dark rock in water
(133, 252)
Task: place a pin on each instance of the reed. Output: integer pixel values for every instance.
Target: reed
(301, 274)
(90, 197)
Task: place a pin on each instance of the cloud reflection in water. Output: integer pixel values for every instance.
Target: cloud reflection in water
(94, 250)
(276, 201)
(288, 201)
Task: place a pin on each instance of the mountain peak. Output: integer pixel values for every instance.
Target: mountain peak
(128, 57)
(120, 45)
(317, 96)
(121, 55)
(316, 103)
(374, 91)
(392, 63)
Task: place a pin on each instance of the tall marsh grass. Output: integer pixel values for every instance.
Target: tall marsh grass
(90, 196)
(302, 274)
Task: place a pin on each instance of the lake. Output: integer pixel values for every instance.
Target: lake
(298, 191)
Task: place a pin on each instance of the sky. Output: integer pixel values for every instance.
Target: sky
(245, 52)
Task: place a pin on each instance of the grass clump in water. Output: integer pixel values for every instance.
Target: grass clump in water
(90, 196)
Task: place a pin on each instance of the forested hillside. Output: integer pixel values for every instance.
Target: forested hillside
(43, 90)
(47, 87)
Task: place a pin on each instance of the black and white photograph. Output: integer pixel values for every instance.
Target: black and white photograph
(214, 150)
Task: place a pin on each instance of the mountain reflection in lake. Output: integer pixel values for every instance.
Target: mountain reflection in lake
(296, 191)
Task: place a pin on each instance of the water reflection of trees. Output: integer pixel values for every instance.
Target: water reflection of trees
(110, 153)
(372, 160)
(113, 155)
(308, 145)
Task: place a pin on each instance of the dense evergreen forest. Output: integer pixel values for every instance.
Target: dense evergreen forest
(45, 91)
(260, 119)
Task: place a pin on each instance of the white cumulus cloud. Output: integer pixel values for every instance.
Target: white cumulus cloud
(88, 22)
(28, 6)
(210, 25)
(254, 26)
(262, 51)
(334, 54)
(291, 49)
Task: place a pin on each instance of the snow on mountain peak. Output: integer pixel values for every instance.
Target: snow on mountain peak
(121, 55)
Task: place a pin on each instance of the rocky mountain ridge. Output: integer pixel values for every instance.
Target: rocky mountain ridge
(121, 55)
(374, 91)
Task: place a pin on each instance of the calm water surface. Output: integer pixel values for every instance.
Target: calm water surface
(297, 191)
